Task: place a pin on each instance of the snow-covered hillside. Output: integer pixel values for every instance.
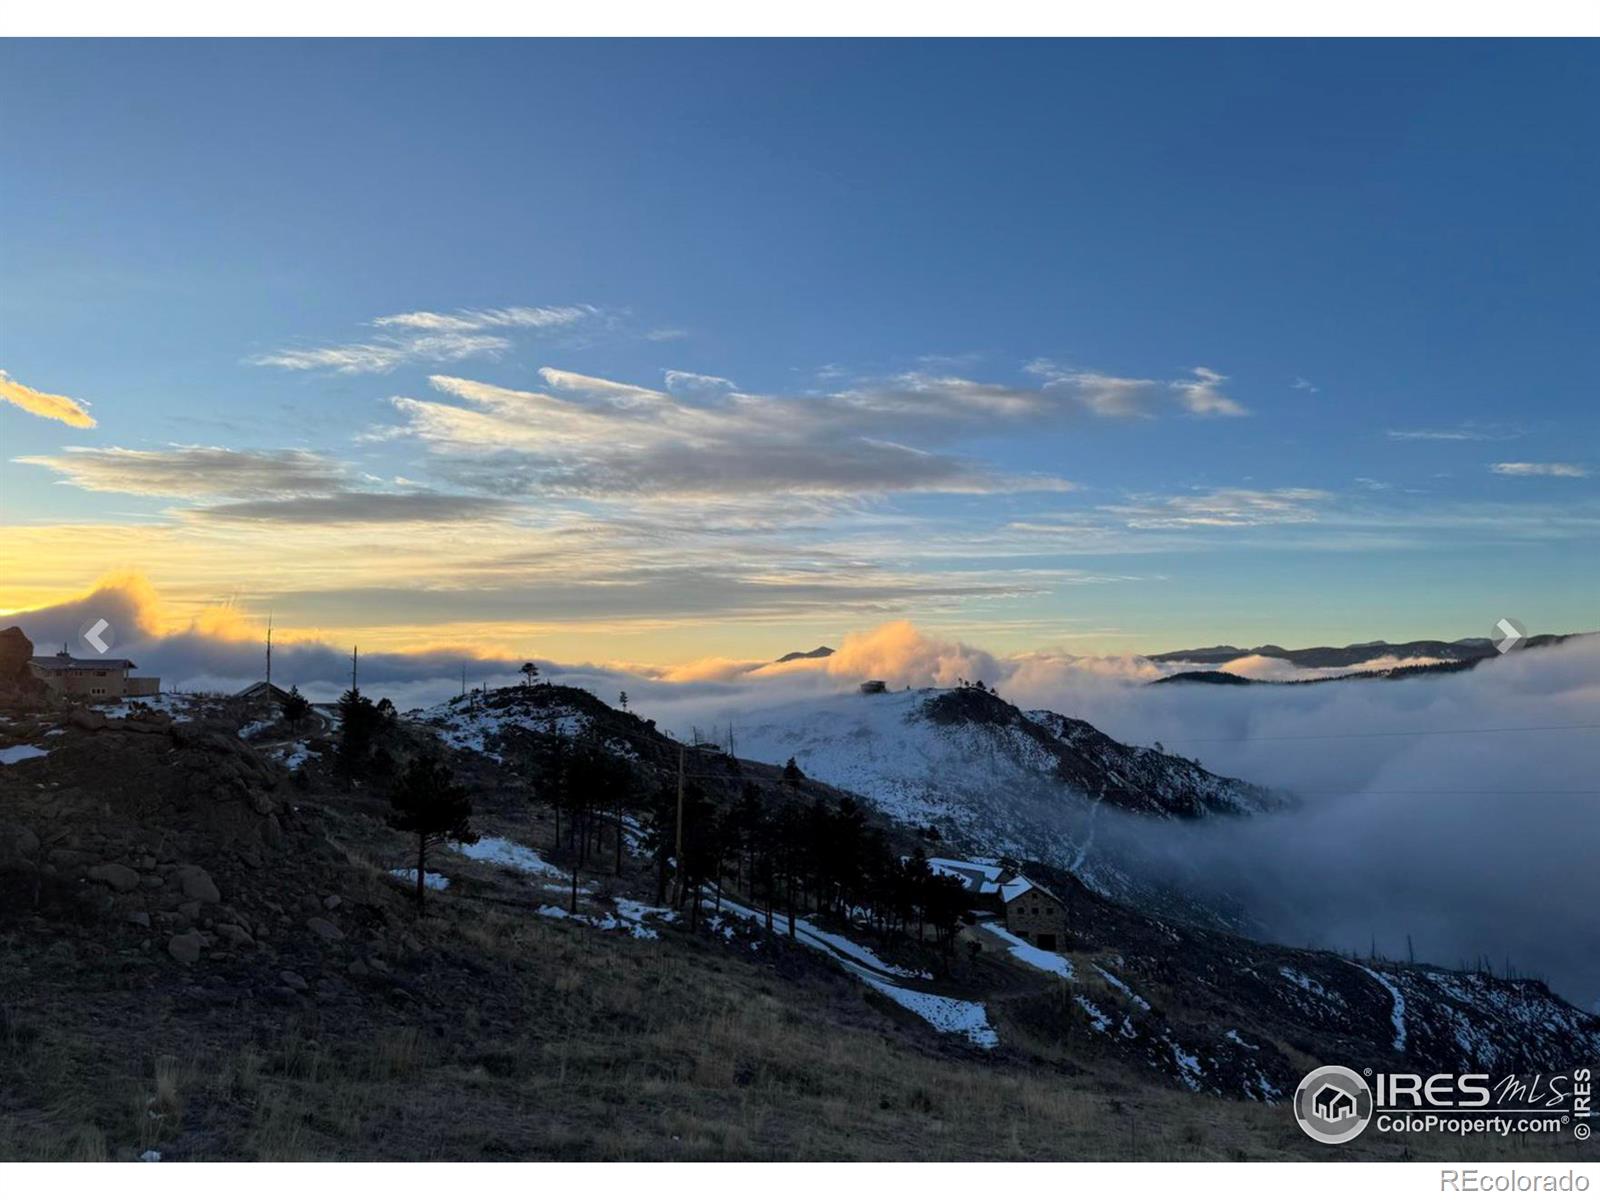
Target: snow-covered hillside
(987, 775)
(477, 723)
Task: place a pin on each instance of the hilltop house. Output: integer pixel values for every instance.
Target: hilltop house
(1034, 913)
(1030, 911)
(93, 678)
(262, 692)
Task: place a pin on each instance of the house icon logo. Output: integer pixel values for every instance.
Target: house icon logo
(1333, 1105)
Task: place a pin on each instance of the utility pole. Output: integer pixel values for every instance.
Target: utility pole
(680, 825)
(355, 657)
(269, 653)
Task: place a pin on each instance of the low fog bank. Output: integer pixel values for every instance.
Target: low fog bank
(1450, 809)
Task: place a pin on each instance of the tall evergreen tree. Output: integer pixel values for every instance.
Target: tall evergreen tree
(428, 802)
(295, 708)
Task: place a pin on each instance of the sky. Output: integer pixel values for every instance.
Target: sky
(650, 353)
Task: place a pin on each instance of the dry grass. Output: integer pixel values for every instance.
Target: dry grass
(598, 1046)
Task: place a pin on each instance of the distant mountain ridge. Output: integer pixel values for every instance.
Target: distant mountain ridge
(1321, 657)
(819, 652)
(1411, 659)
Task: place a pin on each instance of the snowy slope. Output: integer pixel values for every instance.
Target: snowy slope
(987, 775)
(467, 723)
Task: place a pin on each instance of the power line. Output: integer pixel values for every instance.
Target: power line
(1444, 792)
(1317, 737)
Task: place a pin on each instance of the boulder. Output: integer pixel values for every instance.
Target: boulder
(236, 935)
(141, 919)
(197, 885)
(293, 979)
(185, 947)
(27, 842)
(118, 877)
(87, 718)
(332, 902)
(325, 929)
(15, 651)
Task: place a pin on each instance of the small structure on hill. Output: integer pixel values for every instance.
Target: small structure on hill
(1030, 910)
(262, 692)
(1034, 913)
(94, 678)
(873, 687)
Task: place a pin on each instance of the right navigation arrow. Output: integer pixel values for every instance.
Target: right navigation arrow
(1511, 632)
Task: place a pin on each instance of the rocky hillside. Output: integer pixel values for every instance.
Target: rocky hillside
(1214, 1011)
(210, 950)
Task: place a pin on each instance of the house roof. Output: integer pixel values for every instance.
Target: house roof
(980, 877)
(261, 688)
(1021, 885)
(64, 662)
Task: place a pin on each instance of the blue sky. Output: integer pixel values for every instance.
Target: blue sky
(1116, 346)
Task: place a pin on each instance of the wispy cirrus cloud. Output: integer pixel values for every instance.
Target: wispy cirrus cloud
(44, 404)
(600, 438)
(382, 355)
(469, 319)
(193, 472)
(357, 508)
(297, 487)
(430, 337)
(1203, 396)
(1222, 508)
(1098, 393)
(1558, 470)
(1468, 431)
(1104, 395)
(693, 381)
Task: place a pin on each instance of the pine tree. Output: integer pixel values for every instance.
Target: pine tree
(529, 673)
(428, 802)
(295, 708)
(359, 724)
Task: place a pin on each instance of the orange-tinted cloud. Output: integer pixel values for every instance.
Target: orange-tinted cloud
(42, 404)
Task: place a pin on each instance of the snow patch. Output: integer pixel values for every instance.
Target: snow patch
(629, 915)
(467, 725)
(1098, 1019)
(16, 754)
(1189, 1069)
(503, 852)
(1123, 988)
(431, 880)
(1024, 951)
(968, 1018)
(1397, 1013)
